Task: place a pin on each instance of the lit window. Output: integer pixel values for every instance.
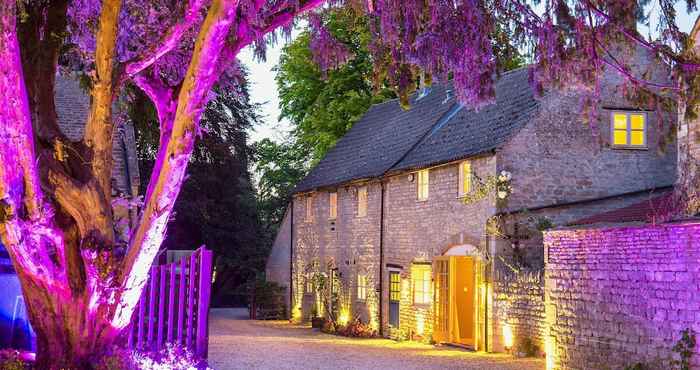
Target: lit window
(629, 129)
(423, 184)
(465, 178)
(333, 205)
(421, 276)
(362, 201)
(309, 208)
(394, 286)
(361, 287)
(309, 284)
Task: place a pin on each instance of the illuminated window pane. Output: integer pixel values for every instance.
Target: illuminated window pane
(620, 137)
(465, 178)
(423, 184)
(395, 287)
(333, 205)
(361, 287)
(637, 138)
(421, 276)
(620, 121)
(362, 201)
(637, 121)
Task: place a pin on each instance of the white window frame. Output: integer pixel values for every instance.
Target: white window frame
(465, 176)
(627, 114)
(425, 297)
(333, 205)
(423, 185)
(361, 287)
(362, 198)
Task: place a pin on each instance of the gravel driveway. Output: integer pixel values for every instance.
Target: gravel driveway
(237, 343)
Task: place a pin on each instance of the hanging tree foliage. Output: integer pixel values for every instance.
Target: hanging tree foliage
(80, 285)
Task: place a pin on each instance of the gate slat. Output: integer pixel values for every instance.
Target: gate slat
(205, 266)
(171, 301)
(161, 308)
(181, 301)
(190, 301)
(152, 306)
(142, 313)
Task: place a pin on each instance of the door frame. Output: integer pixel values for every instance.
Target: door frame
(451, 336)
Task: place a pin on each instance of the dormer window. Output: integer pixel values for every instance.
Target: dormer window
(362, 201)
(629, 130)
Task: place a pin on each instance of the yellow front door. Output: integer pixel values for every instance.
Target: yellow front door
(464, 298)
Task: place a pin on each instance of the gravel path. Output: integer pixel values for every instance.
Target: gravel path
(236, 343)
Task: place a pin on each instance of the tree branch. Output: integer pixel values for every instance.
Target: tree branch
(171, 39)
(99, 127)
(173, 157)
(26, 222)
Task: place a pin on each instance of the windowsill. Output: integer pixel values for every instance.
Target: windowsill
(422, 200)
(421, 305)
(332, 219)
(628, 147)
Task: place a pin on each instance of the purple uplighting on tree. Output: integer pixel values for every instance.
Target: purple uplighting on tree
(81, 282)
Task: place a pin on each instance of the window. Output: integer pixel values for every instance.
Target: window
(423, 184)
(361, 287)
(309, 284)
(420, 274)
(333, 205)
(394, 298)
(465, 178)
(362, 201)
(309, 208)
(629, 129)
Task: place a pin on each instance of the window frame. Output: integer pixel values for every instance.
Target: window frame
(424, 270)
(309, 205)
(361, 287)
(423, 178)
(461, 192)
(333, 205)
(362, 201)
(629, 130)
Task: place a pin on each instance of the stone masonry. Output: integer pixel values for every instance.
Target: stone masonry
(621, 295)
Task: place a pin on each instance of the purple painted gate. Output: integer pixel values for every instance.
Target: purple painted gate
(174, 306)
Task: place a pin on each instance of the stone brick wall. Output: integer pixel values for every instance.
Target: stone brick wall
(621, 295)
(554, 160)
(519, 303)
(349, 243)
(417, 231)
(277, 268)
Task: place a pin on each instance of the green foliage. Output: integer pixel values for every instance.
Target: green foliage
(269, 298)
(528, 348)
(321, 107)
(279, 168)
(684, 348)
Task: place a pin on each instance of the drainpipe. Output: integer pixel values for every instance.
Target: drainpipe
(291, 257)
(381, 262)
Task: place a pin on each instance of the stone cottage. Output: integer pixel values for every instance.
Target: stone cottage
(72, 106)
(427, 222)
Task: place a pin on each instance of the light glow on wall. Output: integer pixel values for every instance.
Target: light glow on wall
(508, 336)
(420, 323)
(344, 316)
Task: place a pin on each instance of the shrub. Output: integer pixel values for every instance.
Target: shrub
(11, 360)
(171, 357)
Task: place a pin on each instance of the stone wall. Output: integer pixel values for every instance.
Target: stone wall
(621, 295)
(417, 231)
(278, 262)
(518, 302)
(560, 157)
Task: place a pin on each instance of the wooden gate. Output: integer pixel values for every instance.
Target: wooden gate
(174, 306)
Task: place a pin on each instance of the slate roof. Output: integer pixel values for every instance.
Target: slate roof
(469, 132)
(644, 211)
(435, 130)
